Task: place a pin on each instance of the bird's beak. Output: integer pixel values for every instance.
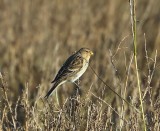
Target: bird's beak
(92, 53)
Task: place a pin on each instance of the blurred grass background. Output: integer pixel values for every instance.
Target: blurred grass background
(37, 36)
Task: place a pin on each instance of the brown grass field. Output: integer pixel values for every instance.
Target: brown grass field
(37, 36)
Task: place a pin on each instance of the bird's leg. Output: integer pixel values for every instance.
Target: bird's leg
(78, 81)
(77, 87)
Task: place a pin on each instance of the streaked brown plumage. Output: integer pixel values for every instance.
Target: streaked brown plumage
(72, 69)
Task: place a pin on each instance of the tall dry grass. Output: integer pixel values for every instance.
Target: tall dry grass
(37, 36)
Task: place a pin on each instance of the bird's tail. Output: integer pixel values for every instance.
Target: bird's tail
(54, 85)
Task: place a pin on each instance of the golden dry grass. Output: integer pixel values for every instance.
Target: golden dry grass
(37, 36)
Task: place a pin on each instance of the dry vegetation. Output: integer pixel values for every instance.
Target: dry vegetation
(36, 36)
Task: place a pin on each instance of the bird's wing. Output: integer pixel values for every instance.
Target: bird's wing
(54, 85)
(72, 65)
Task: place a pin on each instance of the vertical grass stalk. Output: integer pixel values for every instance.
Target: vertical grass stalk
(134, 32)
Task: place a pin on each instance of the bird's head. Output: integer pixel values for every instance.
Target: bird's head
(85, 53)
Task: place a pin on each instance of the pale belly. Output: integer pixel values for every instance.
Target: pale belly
(80, 73)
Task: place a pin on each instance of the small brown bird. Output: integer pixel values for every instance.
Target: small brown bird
(72, 69)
